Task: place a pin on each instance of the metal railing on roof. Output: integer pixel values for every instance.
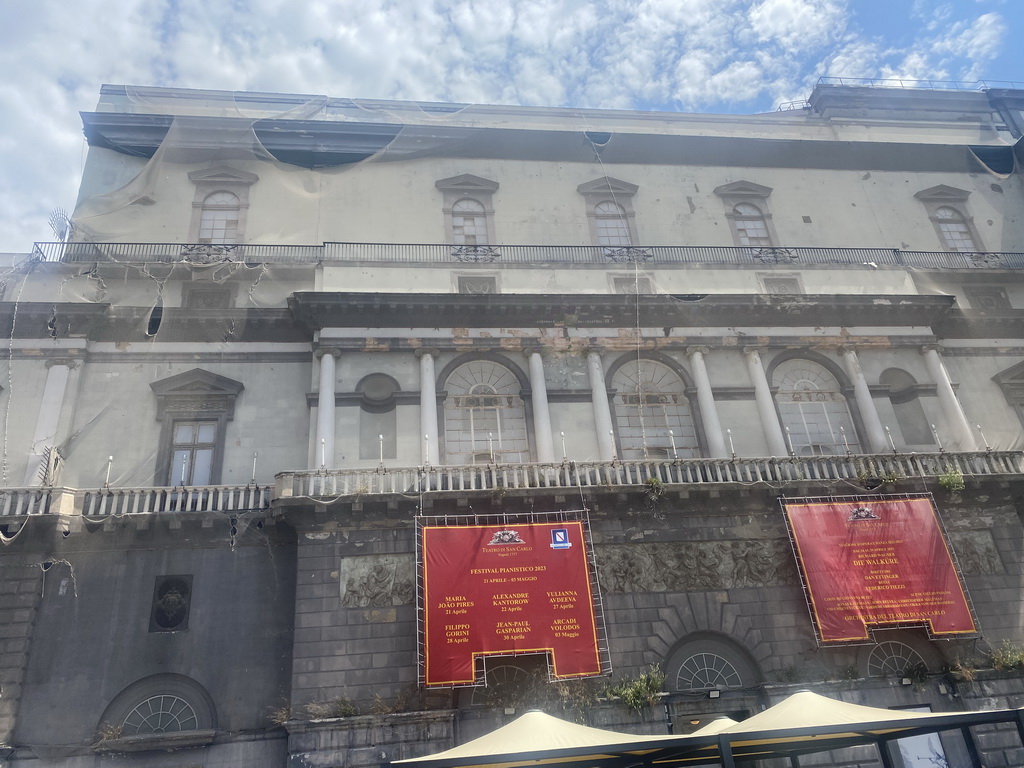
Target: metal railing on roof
(904, 82)
(498, 255)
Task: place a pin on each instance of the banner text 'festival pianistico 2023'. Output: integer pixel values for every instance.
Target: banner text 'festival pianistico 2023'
(871, 563)
(506, 589)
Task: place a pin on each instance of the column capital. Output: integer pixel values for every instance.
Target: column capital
(599, 351)
(930, 348)
(332, 351)
(431, 351)
(701, 349)
(532, 348)
(752, 350)
(70, 363)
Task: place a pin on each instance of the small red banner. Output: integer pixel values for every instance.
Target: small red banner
(506, 589)
(872, 563)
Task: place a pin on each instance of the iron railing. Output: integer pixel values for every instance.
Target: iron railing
(862, 469)
(497, 255)
(934, 85)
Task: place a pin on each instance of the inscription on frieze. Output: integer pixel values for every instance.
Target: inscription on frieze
(377, 581)
(695, 565)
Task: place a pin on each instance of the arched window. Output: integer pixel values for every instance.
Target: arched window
(218, 222)
(708, 661)
(612, 224)
(891, 658)
(906, 406)
(650, 401)
(751, 226)
(469, 222)
(813, 409)
(484, 416)
(160, 704)
(956, 234)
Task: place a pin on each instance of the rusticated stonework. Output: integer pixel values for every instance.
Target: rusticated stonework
(686, 566)
(376, 581)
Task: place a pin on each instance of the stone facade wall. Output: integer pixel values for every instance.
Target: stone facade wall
(21, 581)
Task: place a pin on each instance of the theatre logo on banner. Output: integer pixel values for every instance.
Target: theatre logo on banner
(877, 562)
(521, 586)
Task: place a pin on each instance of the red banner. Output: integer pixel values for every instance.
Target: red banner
(872, 563)
(512, 589)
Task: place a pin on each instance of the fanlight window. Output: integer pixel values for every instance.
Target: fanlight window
(612, 225)
(219, 220)
(813, 409)
(484, 416)
(751, 227)
(160, 714)
(955, 232)
(704, 671)
(894, 659)
(650, 402)
(469, 223)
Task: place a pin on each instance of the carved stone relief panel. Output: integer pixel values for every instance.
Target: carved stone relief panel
(686, 566)
(376, 581)
(976, 552)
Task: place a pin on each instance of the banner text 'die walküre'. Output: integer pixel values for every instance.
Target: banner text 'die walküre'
(875, 563)
(506, 589)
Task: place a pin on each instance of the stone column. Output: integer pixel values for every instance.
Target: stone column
(877, 441)
(963, 437)
(602, 411)
(48, 418)
(324, 449)
(428, 408)
(541, 414)
(765, 403)
(706, 400)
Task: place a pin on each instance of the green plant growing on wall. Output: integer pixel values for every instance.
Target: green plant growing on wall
(642, 691)
(341, 706)
(952, 480)
(1008, 656)
(654, 491)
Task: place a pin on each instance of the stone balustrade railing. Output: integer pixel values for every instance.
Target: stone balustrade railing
(864, 471)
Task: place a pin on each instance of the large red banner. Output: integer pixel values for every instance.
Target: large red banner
(872, 563)
(506, 589)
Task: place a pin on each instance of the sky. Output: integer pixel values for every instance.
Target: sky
(725, 56)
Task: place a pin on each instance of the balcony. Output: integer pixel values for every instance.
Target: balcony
(862, 471)
(385, 253)
(117, 502)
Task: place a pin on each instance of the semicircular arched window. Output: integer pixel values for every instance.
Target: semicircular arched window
(707, 662)
(652, 412)
(484, 415)
(612, 224)
(956, 234)
(894, 659)
(160, 714)
(813, 409)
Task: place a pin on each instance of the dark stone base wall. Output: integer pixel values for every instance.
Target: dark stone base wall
(21, 580)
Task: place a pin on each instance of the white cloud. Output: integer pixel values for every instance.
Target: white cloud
(684, 54)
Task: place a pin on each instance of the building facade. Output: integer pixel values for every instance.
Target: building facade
(283, 327)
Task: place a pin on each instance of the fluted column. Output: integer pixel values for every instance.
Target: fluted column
(951, 409)
(602, 411)
(323, 454)
(541, 414)
(428, 406)
(865, 402)
(765, 403)
(706, 400)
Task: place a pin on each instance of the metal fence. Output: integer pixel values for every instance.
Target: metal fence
(497, 255)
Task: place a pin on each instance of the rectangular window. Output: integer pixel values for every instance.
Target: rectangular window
(988, 297)
(192, 448)
(204, 296)
(627, 284)
(477, 284)
(782, 285)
